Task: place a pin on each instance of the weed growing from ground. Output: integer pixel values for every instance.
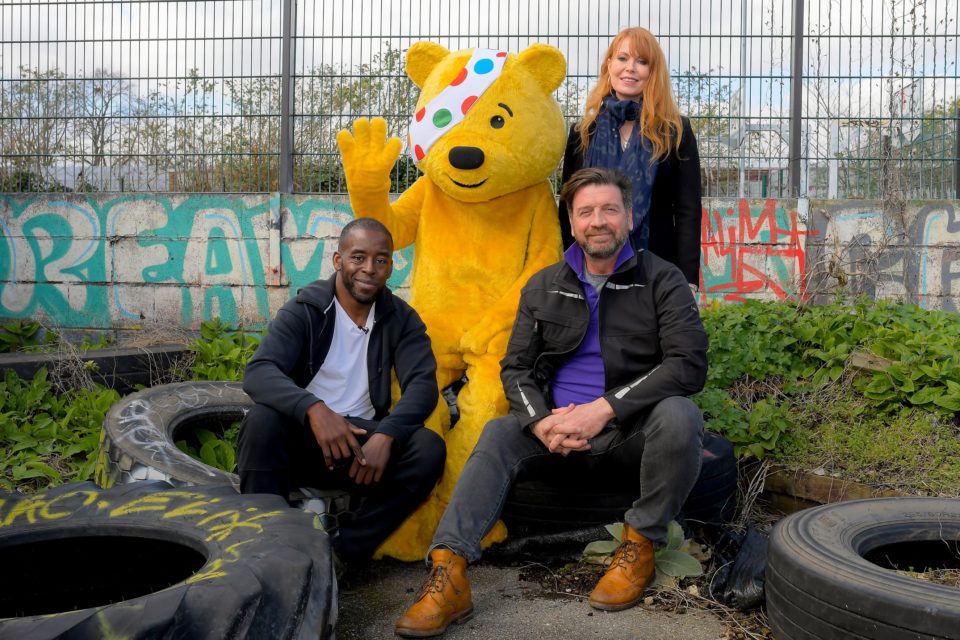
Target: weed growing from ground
(45, 438)
(868, 391)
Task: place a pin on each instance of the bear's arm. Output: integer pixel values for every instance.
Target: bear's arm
(490, 333)
(401, 217)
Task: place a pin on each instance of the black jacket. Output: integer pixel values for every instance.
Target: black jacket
(297, 343)
(651, 339)
(675, 207)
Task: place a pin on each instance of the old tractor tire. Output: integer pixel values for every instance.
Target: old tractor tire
(146, 560)
(557, 502)
(827, 574)
(137, 439)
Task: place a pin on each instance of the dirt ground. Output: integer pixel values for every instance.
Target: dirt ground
(525, 599)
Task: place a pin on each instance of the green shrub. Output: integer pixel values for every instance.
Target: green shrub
(208, 447)
(46, 439)
(220, 353)
(25, 335)
(673, 560)
(783, 382)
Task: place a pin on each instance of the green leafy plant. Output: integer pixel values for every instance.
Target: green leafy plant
(806, 385)
(46, 439)
(756, 433)
(220, 353)
(24, 335)
(785, 382)
(674, 560)
(100, 342)
(211, 449)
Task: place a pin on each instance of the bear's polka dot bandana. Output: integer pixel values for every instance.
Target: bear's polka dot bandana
(450, 106)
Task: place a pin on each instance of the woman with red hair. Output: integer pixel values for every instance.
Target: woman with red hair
(632, 123)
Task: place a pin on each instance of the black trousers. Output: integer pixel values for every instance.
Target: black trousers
(276, 454)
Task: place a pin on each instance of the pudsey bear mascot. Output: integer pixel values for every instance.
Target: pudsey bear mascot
(486, 134)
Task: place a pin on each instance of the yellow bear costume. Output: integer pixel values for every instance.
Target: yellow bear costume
(484, 219)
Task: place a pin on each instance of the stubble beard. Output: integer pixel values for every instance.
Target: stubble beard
(603, 253)
(351, 288)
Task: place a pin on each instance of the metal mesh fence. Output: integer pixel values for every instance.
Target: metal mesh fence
(227, 95)
(140, 95)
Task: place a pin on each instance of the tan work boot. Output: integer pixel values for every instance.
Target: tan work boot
(443, 599)
(631, 570)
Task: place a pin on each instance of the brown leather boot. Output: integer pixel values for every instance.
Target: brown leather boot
(631, 570)
(443, 599)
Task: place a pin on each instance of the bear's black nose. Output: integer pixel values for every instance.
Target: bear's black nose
(466, 157)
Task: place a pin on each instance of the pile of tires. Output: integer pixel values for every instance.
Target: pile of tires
(831, 570)
(146, 560)
(138, 435)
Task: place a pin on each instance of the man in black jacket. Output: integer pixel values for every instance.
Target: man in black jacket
(606, 345)
(321, 383)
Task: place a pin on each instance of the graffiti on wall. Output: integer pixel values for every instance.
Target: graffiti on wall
(752, 249)
(311, 226)
(100, 262)
(125, 260)
(912, 256)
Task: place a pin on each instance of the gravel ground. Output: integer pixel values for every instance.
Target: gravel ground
(507, 606)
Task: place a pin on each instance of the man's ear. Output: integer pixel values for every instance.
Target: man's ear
(337, 261)
(629, 219)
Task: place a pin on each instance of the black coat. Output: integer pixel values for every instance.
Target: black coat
(652, 342)
(298, 341)
(675, 207)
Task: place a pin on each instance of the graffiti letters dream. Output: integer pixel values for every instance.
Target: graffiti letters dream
(115, 261)
(102, 262)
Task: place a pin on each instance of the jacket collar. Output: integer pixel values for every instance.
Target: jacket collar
(573, 263)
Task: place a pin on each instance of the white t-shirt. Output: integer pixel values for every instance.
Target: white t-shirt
(342, 381)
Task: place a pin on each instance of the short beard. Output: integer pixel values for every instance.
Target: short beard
(356, 296)
(603, 254)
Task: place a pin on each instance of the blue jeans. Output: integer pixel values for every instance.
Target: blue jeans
(664, 447)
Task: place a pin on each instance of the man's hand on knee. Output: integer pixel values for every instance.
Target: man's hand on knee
(555, 435)
(570, 428)
(376, 450)
(334, 435)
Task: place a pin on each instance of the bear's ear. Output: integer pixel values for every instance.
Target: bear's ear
(422, 58)
(545, 64)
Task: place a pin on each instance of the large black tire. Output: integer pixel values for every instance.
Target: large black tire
(146, 561)
(821, 583)
(562, 501)
(137, 439)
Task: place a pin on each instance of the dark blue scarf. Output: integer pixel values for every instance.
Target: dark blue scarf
(634, 161)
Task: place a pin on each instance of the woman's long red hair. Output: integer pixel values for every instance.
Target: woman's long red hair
(660, 117)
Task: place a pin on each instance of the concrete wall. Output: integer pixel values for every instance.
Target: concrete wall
(118, 261)
(913, 255)
(114, 261)
(751, 249)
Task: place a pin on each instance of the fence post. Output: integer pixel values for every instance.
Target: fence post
(956, 153)
(796, 99)
(286, 98)
(886, 162)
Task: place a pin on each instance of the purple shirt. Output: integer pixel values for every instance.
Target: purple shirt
(582, 378)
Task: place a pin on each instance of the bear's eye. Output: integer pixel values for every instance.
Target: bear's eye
(497, 122)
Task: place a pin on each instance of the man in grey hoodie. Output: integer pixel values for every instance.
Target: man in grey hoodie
(321, 383)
